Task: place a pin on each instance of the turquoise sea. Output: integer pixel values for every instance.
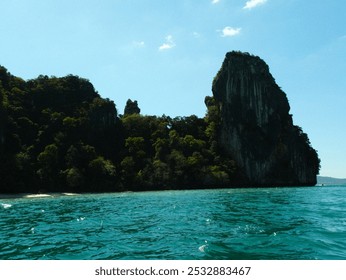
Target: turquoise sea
(270, 223)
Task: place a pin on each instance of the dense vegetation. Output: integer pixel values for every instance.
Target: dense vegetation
(58, 134)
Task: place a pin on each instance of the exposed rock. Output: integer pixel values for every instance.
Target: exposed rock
(131, 107)
(256, 128)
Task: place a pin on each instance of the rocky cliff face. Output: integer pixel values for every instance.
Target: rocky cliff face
(256, 128)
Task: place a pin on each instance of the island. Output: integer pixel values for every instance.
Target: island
(57, 134)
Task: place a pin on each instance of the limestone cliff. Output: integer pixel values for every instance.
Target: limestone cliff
(256, 128)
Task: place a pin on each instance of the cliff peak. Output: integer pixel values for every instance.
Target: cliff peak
(256, 128)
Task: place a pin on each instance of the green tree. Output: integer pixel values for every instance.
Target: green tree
(161, 147)
(128, 171)
(136, 147)
(48, 168)
(212, 118)
(177, 163)
(102, 175)
(2, 118)
(161, 174)
(75, 179)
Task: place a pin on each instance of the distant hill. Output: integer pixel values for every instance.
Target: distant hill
(330, 180)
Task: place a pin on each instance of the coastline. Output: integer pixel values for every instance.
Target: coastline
(58, 194)
(29, 195)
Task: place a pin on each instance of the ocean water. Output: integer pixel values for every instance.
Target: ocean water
(272, 223)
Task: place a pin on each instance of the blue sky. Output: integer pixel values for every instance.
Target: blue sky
(166, 53)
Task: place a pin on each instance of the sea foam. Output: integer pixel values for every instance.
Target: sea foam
(5, 205)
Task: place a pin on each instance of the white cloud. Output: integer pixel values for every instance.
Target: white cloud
(253, 3)
(230, 31)
(215, 1)
(165, 46)
(138, 44)
(168, 44)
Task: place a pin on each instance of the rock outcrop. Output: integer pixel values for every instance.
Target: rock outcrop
(256, 128)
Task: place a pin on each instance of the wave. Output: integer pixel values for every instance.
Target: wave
(6, 205)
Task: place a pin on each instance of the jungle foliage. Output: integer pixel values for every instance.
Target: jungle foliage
(60, 135)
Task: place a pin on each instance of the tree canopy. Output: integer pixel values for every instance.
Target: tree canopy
(59, 134)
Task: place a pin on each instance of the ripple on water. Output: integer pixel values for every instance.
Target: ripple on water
(208, 224)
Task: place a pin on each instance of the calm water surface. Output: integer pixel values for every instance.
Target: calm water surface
(273, 223)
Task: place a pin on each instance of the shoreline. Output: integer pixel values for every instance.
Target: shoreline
(29, 195)
(4, 196)
(58, 194)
